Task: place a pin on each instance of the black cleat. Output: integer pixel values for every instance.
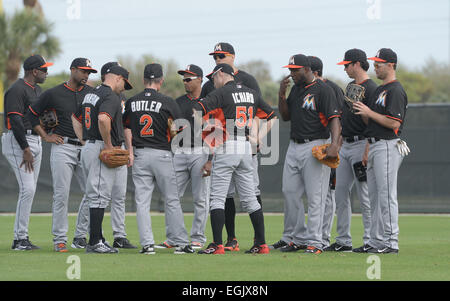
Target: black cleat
(101, 248)
(363, 249)
(22, 245)
(292, 248)
(124, 243)
(79, 243)
(385, 250)
(338, 248)
(184, 250)
(278, 244)
(148, 250)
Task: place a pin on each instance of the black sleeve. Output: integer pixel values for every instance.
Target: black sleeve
(396, 102)
(328, 104)
(209, 103)
(18, 130)
(175, 110)
(109, 106)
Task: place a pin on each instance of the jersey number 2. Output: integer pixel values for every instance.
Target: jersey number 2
(147, 121)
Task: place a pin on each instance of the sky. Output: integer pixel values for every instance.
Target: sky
(272, 31)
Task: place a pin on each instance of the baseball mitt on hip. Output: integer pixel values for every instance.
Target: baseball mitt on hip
(353, 93)
(319, 152)
(48, 120)
(114, 157)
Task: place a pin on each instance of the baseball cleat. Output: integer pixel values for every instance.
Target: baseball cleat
(385, 250)
(362, 249)
(60, 247)
(313, 250)
(33, 247)
(22, 245)
(338, 248)
(196, 245)
(165, 245)
(124, 243)
(232, 245)
(101, 248)
(148, 250)
(184, 250)
(213, 249)
(279, 244)
(292, 248)
(79, 243)
(259, 249)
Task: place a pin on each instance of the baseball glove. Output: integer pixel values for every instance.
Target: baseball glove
(353, 93)
(320, 154)
(171, 128)
(48, 119)
(114, 157)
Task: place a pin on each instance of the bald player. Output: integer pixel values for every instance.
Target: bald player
(65, 161)
(386, 114)
(101, 117)
(22, 146)
(237, 105)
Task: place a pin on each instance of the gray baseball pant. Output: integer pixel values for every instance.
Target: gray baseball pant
(382, 171)
(64, 163)
(232, 188)
(304, 174)
(188, 166)
(150, 166)
(328, 216)
(350, 154)
(233, 160)
(27, 181)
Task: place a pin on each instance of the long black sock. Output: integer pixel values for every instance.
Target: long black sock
(217, 222)
(230, 215)
(257, 219)
(258, 198)
(95, 220)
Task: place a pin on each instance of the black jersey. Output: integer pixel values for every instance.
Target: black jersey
(147, 114)
(352, 124)
(64, 101)
(311, 107)
(337, 91)
(186, 104)
(240, 77)
(101, 100)
(17, 100)
(389, 100)
(237, 103)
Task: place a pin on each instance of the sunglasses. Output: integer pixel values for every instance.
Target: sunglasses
(188, 79)
(219, 56)
(45, 69)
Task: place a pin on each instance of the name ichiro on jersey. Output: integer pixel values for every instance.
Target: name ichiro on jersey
(240, 97)
(144, 105)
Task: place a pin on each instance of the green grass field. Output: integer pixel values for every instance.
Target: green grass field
(424, 255)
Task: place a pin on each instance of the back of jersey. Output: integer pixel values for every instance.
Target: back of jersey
(147, 114)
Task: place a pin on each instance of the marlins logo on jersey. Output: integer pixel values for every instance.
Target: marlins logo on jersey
(381, 100)
(308, 102)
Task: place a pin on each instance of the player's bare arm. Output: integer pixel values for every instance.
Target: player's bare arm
(78, 129)
(282, 104)
(364, 110)
(129, 146)
(104, 126)
(335, 129)
(50, 138)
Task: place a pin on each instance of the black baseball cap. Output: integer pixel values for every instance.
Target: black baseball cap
(34, 62)
(82, 63)
(353, 55)
(119, 70)
(316, 63)
(107, 66)
(224, 48)
(153, 71)
(192, 69)
(385, 55)
(222, 67)
(298, 61)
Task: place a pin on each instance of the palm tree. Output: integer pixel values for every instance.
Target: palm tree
(23, 34)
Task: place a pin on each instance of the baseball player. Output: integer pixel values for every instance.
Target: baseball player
(21, 146)
(224, 54)
(353, 146)
(65, 162)
(190, 161)
(313, 111)
(118, 197)
(386, 114)
(238, 104)
(147, 116)
(101, 117)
